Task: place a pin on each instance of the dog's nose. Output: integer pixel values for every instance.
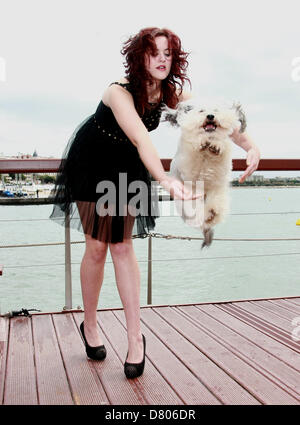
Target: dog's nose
(210, 117)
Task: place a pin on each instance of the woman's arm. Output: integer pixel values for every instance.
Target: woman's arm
(185, 95)
(122, 105)
(253, 153)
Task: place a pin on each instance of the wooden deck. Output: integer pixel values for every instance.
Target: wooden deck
(243, 353)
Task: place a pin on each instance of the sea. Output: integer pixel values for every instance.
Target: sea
(240, 263)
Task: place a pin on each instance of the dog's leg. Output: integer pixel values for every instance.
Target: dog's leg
(215, 208)
(208, 234)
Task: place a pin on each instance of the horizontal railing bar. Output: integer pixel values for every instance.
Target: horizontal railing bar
(164, 260)
(30, 165)
(266, 164)
(26, 201)
(51, 165)
(49, 200)
(34, 245)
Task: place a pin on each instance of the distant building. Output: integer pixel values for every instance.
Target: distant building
(255, 178)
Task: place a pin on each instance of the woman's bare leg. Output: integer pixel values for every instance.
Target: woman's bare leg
(128, 282)
(91, 276)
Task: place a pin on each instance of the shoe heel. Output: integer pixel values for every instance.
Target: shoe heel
(133, 370)
(94, 353)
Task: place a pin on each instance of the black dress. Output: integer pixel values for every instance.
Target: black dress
(102, 185)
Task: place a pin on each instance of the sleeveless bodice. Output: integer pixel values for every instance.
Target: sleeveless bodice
(108, 126)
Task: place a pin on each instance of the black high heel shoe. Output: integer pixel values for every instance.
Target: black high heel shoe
(133, 370)
(94, 353)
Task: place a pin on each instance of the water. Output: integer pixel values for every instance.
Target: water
(182, 272)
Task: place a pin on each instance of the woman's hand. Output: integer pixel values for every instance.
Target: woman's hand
(253, 154)
(177, 189)
(252, 161)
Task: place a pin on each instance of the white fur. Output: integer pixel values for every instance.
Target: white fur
(204, 157)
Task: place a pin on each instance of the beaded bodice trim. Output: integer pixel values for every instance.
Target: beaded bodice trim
(108, 126)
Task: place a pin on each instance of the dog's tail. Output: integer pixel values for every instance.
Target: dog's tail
(208, 234)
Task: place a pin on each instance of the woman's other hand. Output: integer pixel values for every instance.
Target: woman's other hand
(252, 161)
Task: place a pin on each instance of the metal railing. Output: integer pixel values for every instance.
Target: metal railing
(49, 165)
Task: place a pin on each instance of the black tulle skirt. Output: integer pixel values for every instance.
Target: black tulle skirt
(102, 187)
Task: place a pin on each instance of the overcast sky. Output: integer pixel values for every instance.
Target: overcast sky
(57, 57)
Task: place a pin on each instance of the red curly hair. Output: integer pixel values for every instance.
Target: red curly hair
(134, 50)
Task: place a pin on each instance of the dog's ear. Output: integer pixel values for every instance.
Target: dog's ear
(187, 107)
(170, 115)
(173, 115)
(241, 116)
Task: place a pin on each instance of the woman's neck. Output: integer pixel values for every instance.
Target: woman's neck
(154, 91)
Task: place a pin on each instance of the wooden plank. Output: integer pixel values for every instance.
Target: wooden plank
(4, 323)
(281, 374)
(247, 376)
(85, 385)
(254, 308)
(20, 385)
(288, 306)
(213, 377)
(277, 309)
(110, 371)
(263, 325)
(151, 388)
(178, 377)
(272, 346)
(52, 382)
(293, 300)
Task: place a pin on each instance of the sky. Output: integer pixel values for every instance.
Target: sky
(57, 57)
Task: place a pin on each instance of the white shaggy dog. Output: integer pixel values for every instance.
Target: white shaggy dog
(203, 161)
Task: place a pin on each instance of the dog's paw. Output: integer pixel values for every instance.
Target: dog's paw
(204, 146)
(208, 237)
(214, 150)
(211, 215)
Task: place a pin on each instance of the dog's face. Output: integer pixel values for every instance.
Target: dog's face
(209, 121)
(206, 120)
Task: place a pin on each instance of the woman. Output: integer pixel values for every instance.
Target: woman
(113, 146)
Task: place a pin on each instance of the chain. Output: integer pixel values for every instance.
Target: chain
(190, 238)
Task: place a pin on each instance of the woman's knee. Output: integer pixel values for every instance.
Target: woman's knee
(95, 250)
(121, 249)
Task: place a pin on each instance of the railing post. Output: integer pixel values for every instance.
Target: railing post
(68, 271)
(149, 289)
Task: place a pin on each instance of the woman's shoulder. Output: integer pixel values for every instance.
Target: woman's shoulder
(113, 88)
(123, 82)
(184, 95)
